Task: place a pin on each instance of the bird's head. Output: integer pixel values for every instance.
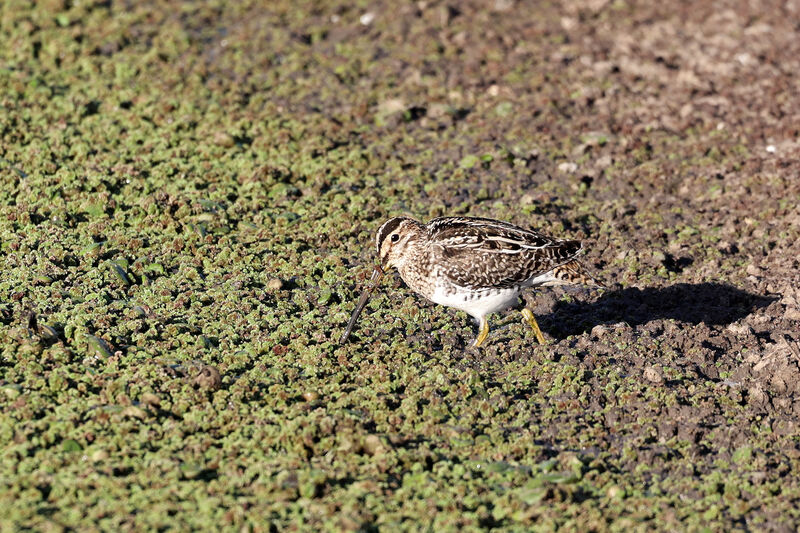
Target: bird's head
(394, 238)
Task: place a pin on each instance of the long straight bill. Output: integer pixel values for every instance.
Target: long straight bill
(377, 274)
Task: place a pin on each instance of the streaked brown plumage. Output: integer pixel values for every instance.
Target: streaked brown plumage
(478, 265)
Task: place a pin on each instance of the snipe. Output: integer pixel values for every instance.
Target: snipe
(477, 265)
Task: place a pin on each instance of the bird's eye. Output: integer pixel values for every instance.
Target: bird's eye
(395, 237)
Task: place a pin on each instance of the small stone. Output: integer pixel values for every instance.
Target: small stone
(725, 247)
(753, 270)
(373, 445)
(739, 329)
(782, 404)
(756, 395)
(223, 139)
(653, 375)
(367, 18)
(393, 105)
(438, 110)
(148, 398)
(599, 331)
(603, 162)
(208, 377)
(99, 455)
(792, 313)
(134, 412)
(568, 167)
(752, 357)
(310, 396)
(275, 284)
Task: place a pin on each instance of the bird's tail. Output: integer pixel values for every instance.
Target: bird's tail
(571, 273)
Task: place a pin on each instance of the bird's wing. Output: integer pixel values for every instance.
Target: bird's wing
(483, 253)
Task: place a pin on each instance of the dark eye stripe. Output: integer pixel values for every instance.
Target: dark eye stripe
(388, 227)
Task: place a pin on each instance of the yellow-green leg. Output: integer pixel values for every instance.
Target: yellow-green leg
(482, 333)
(530, 319)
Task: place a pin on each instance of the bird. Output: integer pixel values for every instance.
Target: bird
(477, 265)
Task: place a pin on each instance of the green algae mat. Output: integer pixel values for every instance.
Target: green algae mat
(188, 198)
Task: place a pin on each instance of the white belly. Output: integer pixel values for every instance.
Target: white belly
(478, 305)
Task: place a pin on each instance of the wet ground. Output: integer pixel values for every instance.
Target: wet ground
(188, 203)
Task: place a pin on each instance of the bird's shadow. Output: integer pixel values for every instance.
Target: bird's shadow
(710, 303)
